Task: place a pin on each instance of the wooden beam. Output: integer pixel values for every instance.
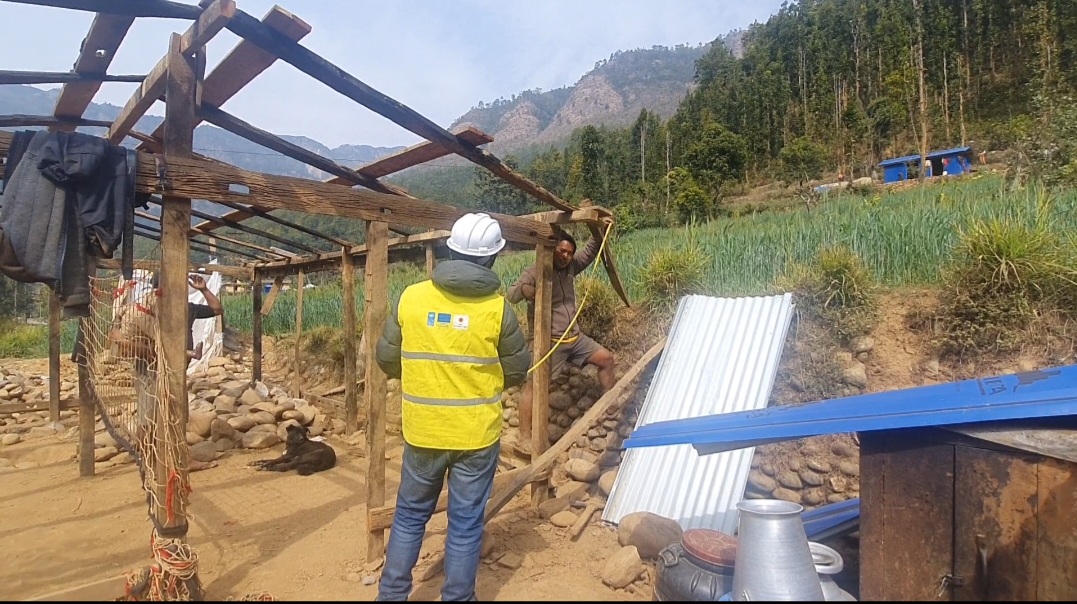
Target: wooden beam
(233, 124)
(130, 8)
(336, 78)
(64, 123)
(540, 376)
(54, 357)
(542, 463)
(182, 78)
(98, 49)
(249, 230)
(141, 228)
(236, 272)
(87, 408)
(587, 215)
(209, 23)
(243, 212)
(431, 262)
(379, 518)
(351, 405)
(212, 243)
(271, 297)
(200, 179)
(65, 77)
(256, 328)
(297, 379)
(417, 154)
(376, 309)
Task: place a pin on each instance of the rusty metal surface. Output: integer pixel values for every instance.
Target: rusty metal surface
(906, 522)
(1052, 441)
(1056, 548)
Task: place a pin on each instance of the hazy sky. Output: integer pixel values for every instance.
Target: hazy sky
(438, 57)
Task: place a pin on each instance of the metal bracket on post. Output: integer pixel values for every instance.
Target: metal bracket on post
(164, 181)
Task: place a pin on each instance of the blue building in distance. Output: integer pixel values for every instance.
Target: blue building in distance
(950, 162)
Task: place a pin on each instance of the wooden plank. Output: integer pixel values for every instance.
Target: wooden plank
(87, 409)
(271, 297)
(201, 179)
(148, 232)
(242, 65)
(98, 49)
(348, 318)
(19, 120)
(212, 243)
(222, 221)
(236, 272)
(65, 403)
(242, 212)
(417, 154)
(376, 292)
(54, 357)
(540, 376)
(297, 380)
(380, 518)
(907, 517)
(1056, 575)
(256, 328)
(431, 262)
(500, 498)
(209, 23)
(995, 531)
(65, 77)
(132, 8)
(183, 76)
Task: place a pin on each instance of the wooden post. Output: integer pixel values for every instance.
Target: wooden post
(351, 397)
(86, 401)
(181, 99)
(256, 328)
(540, 377)
(297, 383)
(431, 262)
(377, 304)
(54, 358)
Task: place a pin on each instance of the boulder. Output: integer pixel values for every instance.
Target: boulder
(582, 470)
(605, 482)
(648, 532)
(205, 451)
(199, 422)
(259, 440)
(624, 567)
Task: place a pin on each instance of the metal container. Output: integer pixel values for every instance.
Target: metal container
(828, 563)
(773, 559)
(698, 569)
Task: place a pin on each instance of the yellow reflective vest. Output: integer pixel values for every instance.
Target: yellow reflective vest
(451, 378)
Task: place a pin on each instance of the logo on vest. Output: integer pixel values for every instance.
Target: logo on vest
(430, 318)
(460, 321)
(443, 319)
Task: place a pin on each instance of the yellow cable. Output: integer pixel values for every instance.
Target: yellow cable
(579, 307)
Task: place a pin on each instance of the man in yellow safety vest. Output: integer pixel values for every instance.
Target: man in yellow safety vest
(455, 344)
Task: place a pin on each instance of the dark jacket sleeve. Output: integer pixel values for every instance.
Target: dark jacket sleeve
(516, 292)
(512, 349)
(583, 258)
(388, 349)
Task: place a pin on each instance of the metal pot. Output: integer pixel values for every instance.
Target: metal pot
(773, 559)
(828, 563)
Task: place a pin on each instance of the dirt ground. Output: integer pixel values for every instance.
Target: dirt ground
(293, 537)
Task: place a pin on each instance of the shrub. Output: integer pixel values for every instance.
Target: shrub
(836, 289)
(19, 340)
(670, 274)
(599, 313)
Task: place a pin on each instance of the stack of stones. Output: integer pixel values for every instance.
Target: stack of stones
(811, 472)
(32, 390)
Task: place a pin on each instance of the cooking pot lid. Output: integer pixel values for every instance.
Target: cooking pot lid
(710, 546)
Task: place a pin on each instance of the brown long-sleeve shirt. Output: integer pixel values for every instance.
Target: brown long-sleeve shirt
(564, 290)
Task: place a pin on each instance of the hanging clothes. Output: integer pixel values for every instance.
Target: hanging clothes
(67, 198)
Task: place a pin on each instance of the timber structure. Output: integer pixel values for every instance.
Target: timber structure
(398, 226)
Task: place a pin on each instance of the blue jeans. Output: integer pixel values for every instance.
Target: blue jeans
(471, 478)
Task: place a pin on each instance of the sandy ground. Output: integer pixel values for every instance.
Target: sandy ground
(293, 537)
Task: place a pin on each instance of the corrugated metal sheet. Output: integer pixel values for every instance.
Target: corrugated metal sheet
(1033, 394)
(721, 356)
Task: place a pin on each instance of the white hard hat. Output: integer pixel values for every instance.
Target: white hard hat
(476, 235)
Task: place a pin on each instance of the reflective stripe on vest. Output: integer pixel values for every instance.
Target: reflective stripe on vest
(451, 377)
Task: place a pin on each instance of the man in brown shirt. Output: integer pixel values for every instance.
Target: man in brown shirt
(576, 347)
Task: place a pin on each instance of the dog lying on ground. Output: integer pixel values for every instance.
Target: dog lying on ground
(303, 455)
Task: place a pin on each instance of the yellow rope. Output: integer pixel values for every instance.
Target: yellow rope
(579, 307)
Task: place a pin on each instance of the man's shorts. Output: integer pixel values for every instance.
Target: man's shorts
(577, 352)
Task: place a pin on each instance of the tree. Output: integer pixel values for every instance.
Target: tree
(801, 160)
(689, 199)
(497, 195)
(716, 158)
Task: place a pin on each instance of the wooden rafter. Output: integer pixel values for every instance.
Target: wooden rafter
(98, 49)
(236, 272)
(66, 123)
(417, 154)
(238, 208)
(209, 23)
(67, 77)
(250, 230)
(129, 8)
(194, 233)
(154, 233)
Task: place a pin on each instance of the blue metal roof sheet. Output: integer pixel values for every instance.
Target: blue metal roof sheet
(941, 153)
(831, 519)
(1033, 394)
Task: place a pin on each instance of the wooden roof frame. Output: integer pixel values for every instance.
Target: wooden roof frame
(276, 37)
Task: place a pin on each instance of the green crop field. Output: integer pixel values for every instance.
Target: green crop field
(904, 237)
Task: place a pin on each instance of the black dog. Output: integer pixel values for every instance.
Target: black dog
(301, 454)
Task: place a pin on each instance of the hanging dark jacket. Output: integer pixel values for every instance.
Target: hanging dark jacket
(65, 199)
